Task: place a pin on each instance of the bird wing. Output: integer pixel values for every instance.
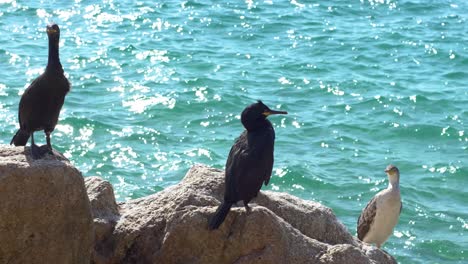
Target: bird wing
(262, 153)
(267, 175)
(366, 218)
(28, 96)
(270, 161)
(234, 168)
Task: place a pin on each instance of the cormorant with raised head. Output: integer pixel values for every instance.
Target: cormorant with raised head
(40, 104)
(250, 160)
(380, 216)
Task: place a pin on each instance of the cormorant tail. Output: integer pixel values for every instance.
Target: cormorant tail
(20, 138)
(218, 218)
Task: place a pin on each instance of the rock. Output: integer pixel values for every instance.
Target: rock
(105, 212)
(172, 227)
(344, 253)
(45, 215)
(102, 199)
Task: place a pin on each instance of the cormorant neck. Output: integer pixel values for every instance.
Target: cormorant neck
(54, 60)
(394, 181)
(260, 123)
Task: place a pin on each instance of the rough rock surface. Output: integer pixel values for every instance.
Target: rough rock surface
(105, 212)
(45, 214)
(46, 217)
(172, 227)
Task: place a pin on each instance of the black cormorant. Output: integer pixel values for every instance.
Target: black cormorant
(40, 104)
(250, 160)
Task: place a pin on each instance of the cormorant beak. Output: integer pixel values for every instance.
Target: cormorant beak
(273, 112)
(51, 30)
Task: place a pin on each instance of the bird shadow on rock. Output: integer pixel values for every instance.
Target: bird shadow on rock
(45, 154)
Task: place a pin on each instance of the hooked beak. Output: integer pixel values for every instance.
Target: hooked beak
(274, 112)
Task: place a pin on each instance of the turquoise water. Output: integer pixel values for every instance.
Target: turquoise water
(159, 87)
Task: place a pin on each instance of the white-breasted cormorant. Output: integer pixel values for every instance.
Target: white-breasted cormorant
(381, 214)
(40, 104)
(250, 160)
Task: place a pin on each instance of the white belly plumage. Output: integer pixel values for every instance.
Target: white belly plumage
(386, 218)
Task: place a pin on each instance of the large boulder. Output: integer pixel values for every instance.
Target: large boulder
(45, 214)
(172, 227)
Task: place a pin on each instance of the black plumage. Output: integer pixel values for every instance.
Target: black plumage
(41, 102)
(250, 160)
